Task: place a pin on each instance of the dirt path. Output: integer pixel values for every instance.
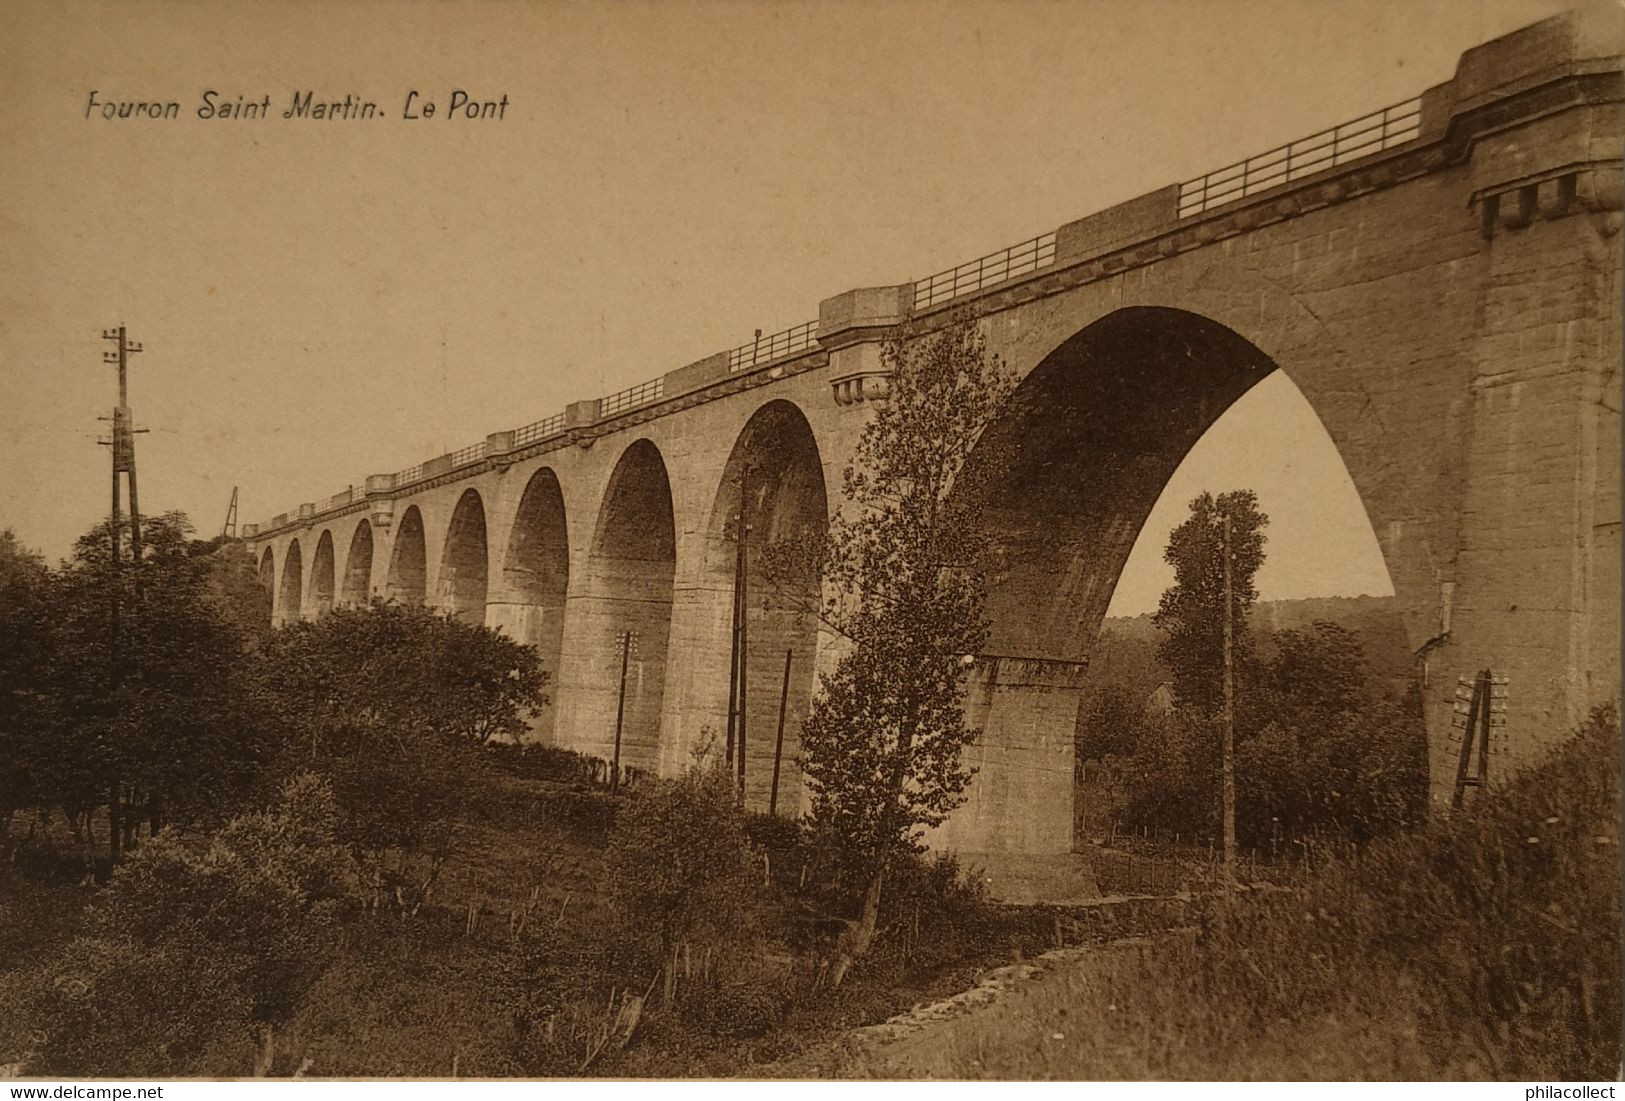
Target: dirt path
(941, 1039)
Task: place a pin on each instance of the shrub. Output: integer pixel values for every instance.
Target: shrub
(1483, 946)
(196, 951)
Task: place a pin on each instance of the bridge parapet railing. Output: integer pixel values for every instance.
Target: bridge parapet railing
(473, 453)
(632, 397)
(538, 430)
(409, 475)
(985, 271)
(1393, 125)
(774, 347)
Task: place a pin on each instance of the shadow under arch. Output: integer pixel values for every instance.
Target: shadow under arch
(322, 576)
(535, 582)
(630, 569)
(407, 582)
(357, 583)
(775, 475)
(289, 597)
(463, 562)
(1065, 478)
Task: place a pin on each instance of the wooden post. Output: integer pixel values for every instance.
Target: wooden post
(778, 743)
(1227, 775)
(1487, 695)
(733, 645)
(1467, 732)
(620, 713)
(744, 632)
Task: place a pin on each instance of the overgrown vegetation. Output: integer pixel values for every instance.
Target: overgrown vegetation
(1485, 946)
(1324, 749)
(388, 883)
(882, 747)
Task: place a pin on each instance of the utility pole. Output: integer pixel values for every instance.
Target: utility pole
(123, 441)
(627, 639)
(733, 644)
(778, 743)
(122, 444)
(1227, 777)
(743, 647)
(229, 528)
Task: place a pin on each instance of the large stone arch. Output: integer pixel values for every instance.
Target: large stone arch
(535, 581)
(774, 475)
(1067, 476)
(322, 576)
(1399, 467)
(357, 584)
(626, 586)
(408, 565)
(463, 562)
(290, 594)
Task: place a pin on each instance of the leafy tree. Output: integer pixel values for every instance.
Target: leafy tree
(1110, 721)
(1191, 612)
(677, 871)
(883, 745)
(390, 702)
(199, 949)
(154, 723)
(27, 646)
(1322, 749)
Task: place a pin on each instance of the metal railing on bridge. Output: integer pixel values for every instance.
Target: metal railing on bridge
(1361, 137)
(985, 271)
(473, 453)
(776, 346)
(632, 397)
(538, 430)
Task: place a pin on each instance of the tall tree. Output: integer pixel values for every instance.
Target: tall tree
(883, 745)
(388, 702)
(27, 645)
(155, 721)
(1191, 613)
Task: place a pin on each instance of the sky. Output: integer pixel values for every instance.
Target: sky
(320, 300)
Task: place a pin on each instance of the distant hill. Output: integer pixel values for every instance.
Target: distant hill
(1126, 652)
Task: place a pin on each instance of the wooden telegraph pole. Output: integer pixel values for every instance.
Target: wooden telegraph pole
(627, 640)
(743, 649)
(738, 673)
(1227, 776)
(778, 742)
(122, 444)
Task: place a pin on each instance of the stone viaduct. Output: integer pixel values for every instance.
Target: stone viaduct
(1441, 280)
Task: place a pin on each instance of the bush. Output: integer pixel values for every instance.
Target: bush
(529, 761)
(677, 869)
(773, 833)
(196, 951)
(1483, 946)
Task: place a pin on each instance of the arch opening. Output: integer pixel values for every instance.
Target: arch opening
(268, 570)
(358, 567)
(289, 598)
(535, 582)
(630, 571)
(463, 569)
(321, 577)
(774, 477)
(408, 566)
(1067, 478)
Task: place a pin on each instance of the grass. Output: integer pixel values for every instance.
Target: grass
(437, 993)
(1485, 947)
